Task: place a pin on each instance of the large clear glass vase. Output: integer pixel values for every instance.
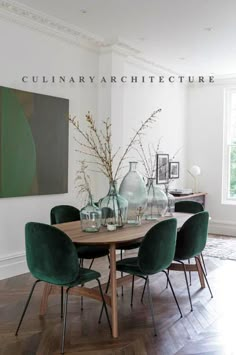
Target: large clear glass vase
(133, 189)
(90, 217)
(157, 202)
(114, 207)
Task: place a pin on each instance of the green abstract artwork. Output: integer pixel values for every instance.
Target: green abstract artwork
(33, 144)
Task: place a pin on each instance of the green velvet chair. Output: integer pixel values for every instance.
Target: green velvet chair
(51, 257)
(186, 206)
(191, 240)
(155, 254)
(65, 213)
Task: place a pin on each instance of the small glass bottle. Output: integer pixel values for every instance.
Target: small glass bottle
(90, 217)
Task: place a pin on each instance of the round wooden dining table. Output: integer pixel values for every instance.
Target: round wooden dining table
(125, 235)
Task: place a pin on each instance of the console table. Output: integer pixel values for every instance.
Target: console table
(198, 197)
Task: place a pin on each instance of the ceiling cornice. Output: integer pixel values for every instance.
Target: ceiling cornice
(26, 16)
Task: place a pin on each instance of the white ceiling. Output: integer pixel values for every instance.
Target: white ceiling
(191, 37)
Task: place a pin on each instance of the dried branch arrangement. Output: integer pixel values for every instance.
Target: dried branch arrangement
(82, 180)
(97, 143)
(148, 155)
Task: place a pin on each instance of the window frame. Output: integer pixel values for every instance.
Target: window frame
(227, 145)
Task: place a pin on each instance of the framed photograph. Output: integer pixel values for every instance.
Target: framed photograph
(174, 170)
(162, 173)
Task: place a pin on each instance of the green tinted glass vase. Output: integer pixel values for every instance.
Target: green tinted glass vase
(114, 207)
(90, 217)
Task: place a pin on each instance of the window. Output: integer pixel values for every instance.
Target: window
(229, 149)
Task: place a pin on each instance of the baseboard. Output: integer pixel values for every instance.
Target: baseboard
(222, 227)
(13, 265)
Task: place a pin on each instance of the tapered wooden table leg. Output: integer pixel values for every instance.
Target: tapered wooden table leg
(44, 301)
(200, 274)
(114, 317)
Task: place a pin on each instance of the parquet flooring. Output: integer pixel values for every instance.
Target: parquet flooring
(209, 329)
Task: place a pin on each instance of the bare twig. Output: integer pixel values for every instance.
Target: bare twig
(98, 144)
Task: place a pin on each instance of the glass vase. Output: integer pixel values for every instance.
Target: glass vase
(157, 202)
(171, 202)
(133, 189)
(90, 217)
(114, 207)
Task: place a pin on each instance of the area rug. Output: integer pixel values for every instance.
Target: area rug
(221, 247)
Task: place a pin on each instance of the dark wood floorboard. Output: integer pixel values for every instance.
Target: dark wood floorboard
(209, 329)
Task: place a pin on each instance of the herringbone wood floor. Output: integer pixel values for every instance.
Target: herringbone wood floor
(209, 329)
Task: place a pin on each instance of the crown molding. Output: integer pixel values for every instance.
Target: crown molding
(52, 26)
(134, 56)
(23, 15)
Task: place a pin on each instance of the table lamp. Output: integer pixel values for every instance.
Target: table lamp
(195, 171)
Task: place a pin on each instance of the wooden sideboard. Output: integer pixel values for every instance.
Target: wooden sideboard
(199, 197)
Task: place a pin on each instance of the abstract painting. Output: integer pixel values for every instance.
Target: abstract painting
(33, 143)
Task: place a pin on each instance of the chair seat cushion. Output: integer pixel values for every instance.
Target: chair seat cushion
(85, 275)
(90, 251)
(130, 266)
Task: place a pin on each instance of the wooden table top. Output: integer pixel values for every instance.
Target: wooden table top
(126, 234)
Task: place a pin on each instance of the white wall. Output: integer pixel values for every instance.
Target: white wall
(205, 143)
(140, 100)
(29, 52)
(130, 104)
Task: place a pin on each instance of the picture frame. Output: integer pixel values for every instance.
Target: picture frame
(162, 168)
(173, 170)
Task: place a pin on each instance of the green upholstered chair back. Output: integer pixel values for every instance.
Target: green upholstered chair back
(188, 206)
(158, 247)
(192, 237)
(51, 255)
(64, 213)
